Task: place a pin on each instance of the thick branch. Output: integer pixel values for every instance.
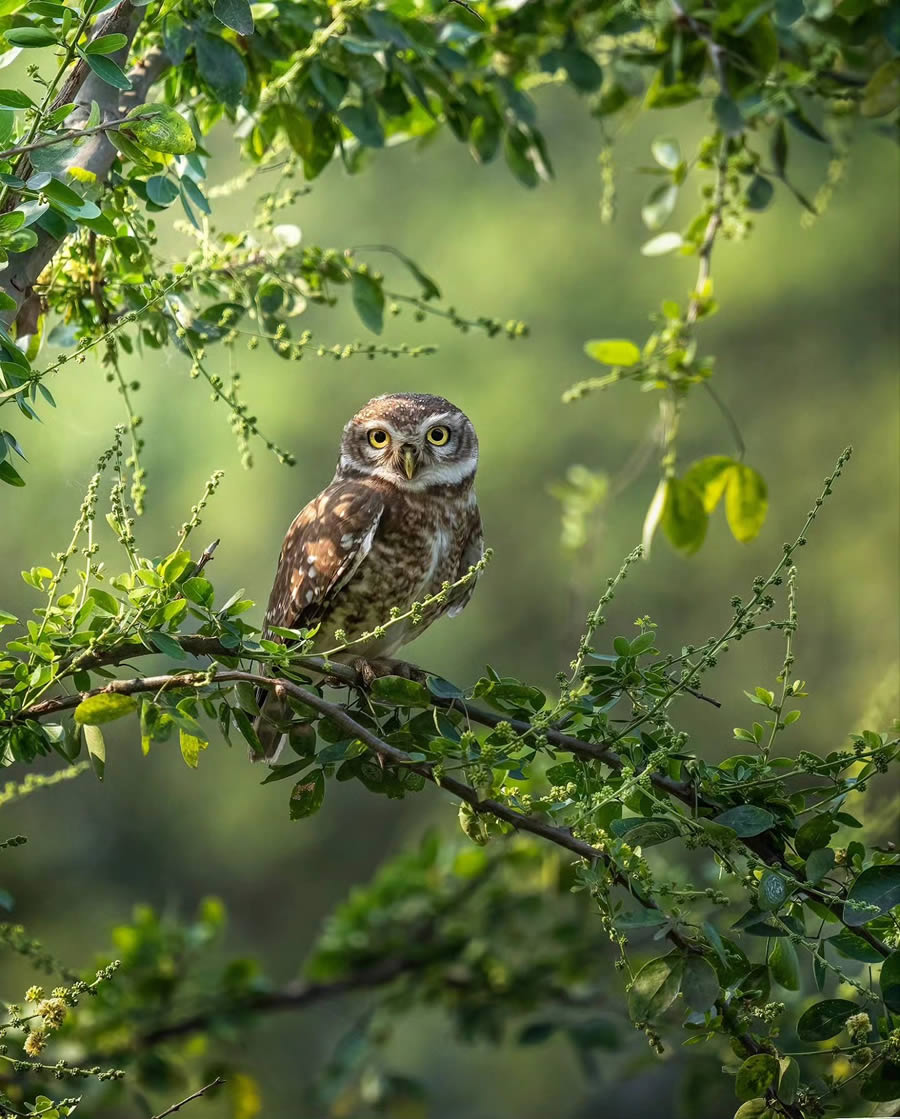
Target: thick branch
(293, 996)
(96, 154)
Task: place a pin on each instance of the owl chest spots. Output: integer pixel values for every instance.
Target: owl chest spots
(412, 555)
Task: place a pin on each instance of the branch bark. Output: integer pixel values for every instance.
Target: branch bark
(96, 154)
(188, 1099)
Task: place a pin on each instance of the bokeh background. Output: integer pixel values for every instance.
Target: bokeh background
(808, 356)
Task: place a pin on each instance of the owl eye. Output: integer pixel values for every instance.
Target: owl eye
(438, 436)
(379, 438)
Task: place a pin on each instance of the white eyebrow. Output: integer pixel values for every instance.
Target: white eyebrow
(433, 420)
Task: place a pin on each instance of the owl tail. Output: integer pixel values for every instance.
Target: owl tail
(273, 714)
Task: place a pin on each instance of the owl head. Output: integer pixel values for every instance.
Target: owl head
(412, 441)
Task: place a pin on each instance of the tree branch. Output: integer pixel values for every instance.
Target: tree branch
(193, 1096)
(96, 154)
(483, 806)
(760, 845)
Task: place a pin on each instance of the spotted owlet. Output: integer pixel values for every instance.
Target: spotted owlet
(397, 521)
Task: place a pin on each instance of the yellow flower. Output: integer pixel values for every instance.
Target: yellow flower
(35, 1042)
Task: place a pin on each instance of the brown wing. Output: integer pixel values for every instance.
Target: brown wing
(472, 552)
(324, 546)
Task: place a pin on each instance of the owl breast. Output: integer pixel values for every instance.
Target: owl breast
(417, 547)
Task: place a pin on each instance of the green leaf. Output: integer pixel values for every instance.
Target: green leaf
(108, 71)
(307, 795)
(654, 515)
(772, 891)
(825, 1019)
(174, 565)
(10, 475)
(15, 99)
(340, 751)
(788, 1079)
(368, 299)
(728, 115)
(106, 44)
(890, 981)
(235, 14)
(684, 520)
(709, 477)
(57, 191)
(243, 724)
(756, 1076)
(784, 964)
(853, 947)
(658, 207)
(878, 888)
(104, 708)
(96, 747)
(191, 746)
(818, 864)
(444, 689)
(641, 831)
(662, 244)
(613, 351)
(882, 1084)
(882, 95)
(700, 984)
(198, 590)
(655, 988)
(746, 502)
(30, 37)
(667, 152)
(400, 692)
(364, 123)
(755, 1109)
(280, 772)
(746, 820)
(221, 67)
(815, 833)
(163, 131)
(161, 191)
(104, 601)
(759, 193)
(167, 644)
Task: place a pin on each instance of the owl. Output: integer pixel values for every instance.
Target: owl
(397, 521)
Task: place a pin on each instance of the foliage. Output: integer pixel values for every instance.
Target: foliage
(92, 161)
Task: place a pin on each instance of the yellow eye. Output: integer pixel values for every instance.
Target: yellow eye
(379, 438)
(438, 436)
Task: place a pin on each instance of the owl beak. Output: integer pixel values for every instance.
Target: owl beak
(409, 461)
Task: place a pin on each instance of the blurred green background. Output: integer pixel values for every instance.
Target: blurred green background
(808, 354)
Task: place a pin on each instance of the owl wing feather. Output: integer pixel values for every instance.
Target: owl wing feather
(473, 550)
(322, 550)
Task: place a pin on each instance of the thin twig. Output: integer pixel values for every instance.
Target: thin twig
(469, 8)
(187, 1099)
(715, 50)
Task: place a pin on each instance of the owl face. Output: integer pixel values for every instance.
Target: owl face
(412, 441)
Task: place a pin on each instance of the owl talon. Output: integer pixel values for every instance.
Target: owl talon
(367, 672)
